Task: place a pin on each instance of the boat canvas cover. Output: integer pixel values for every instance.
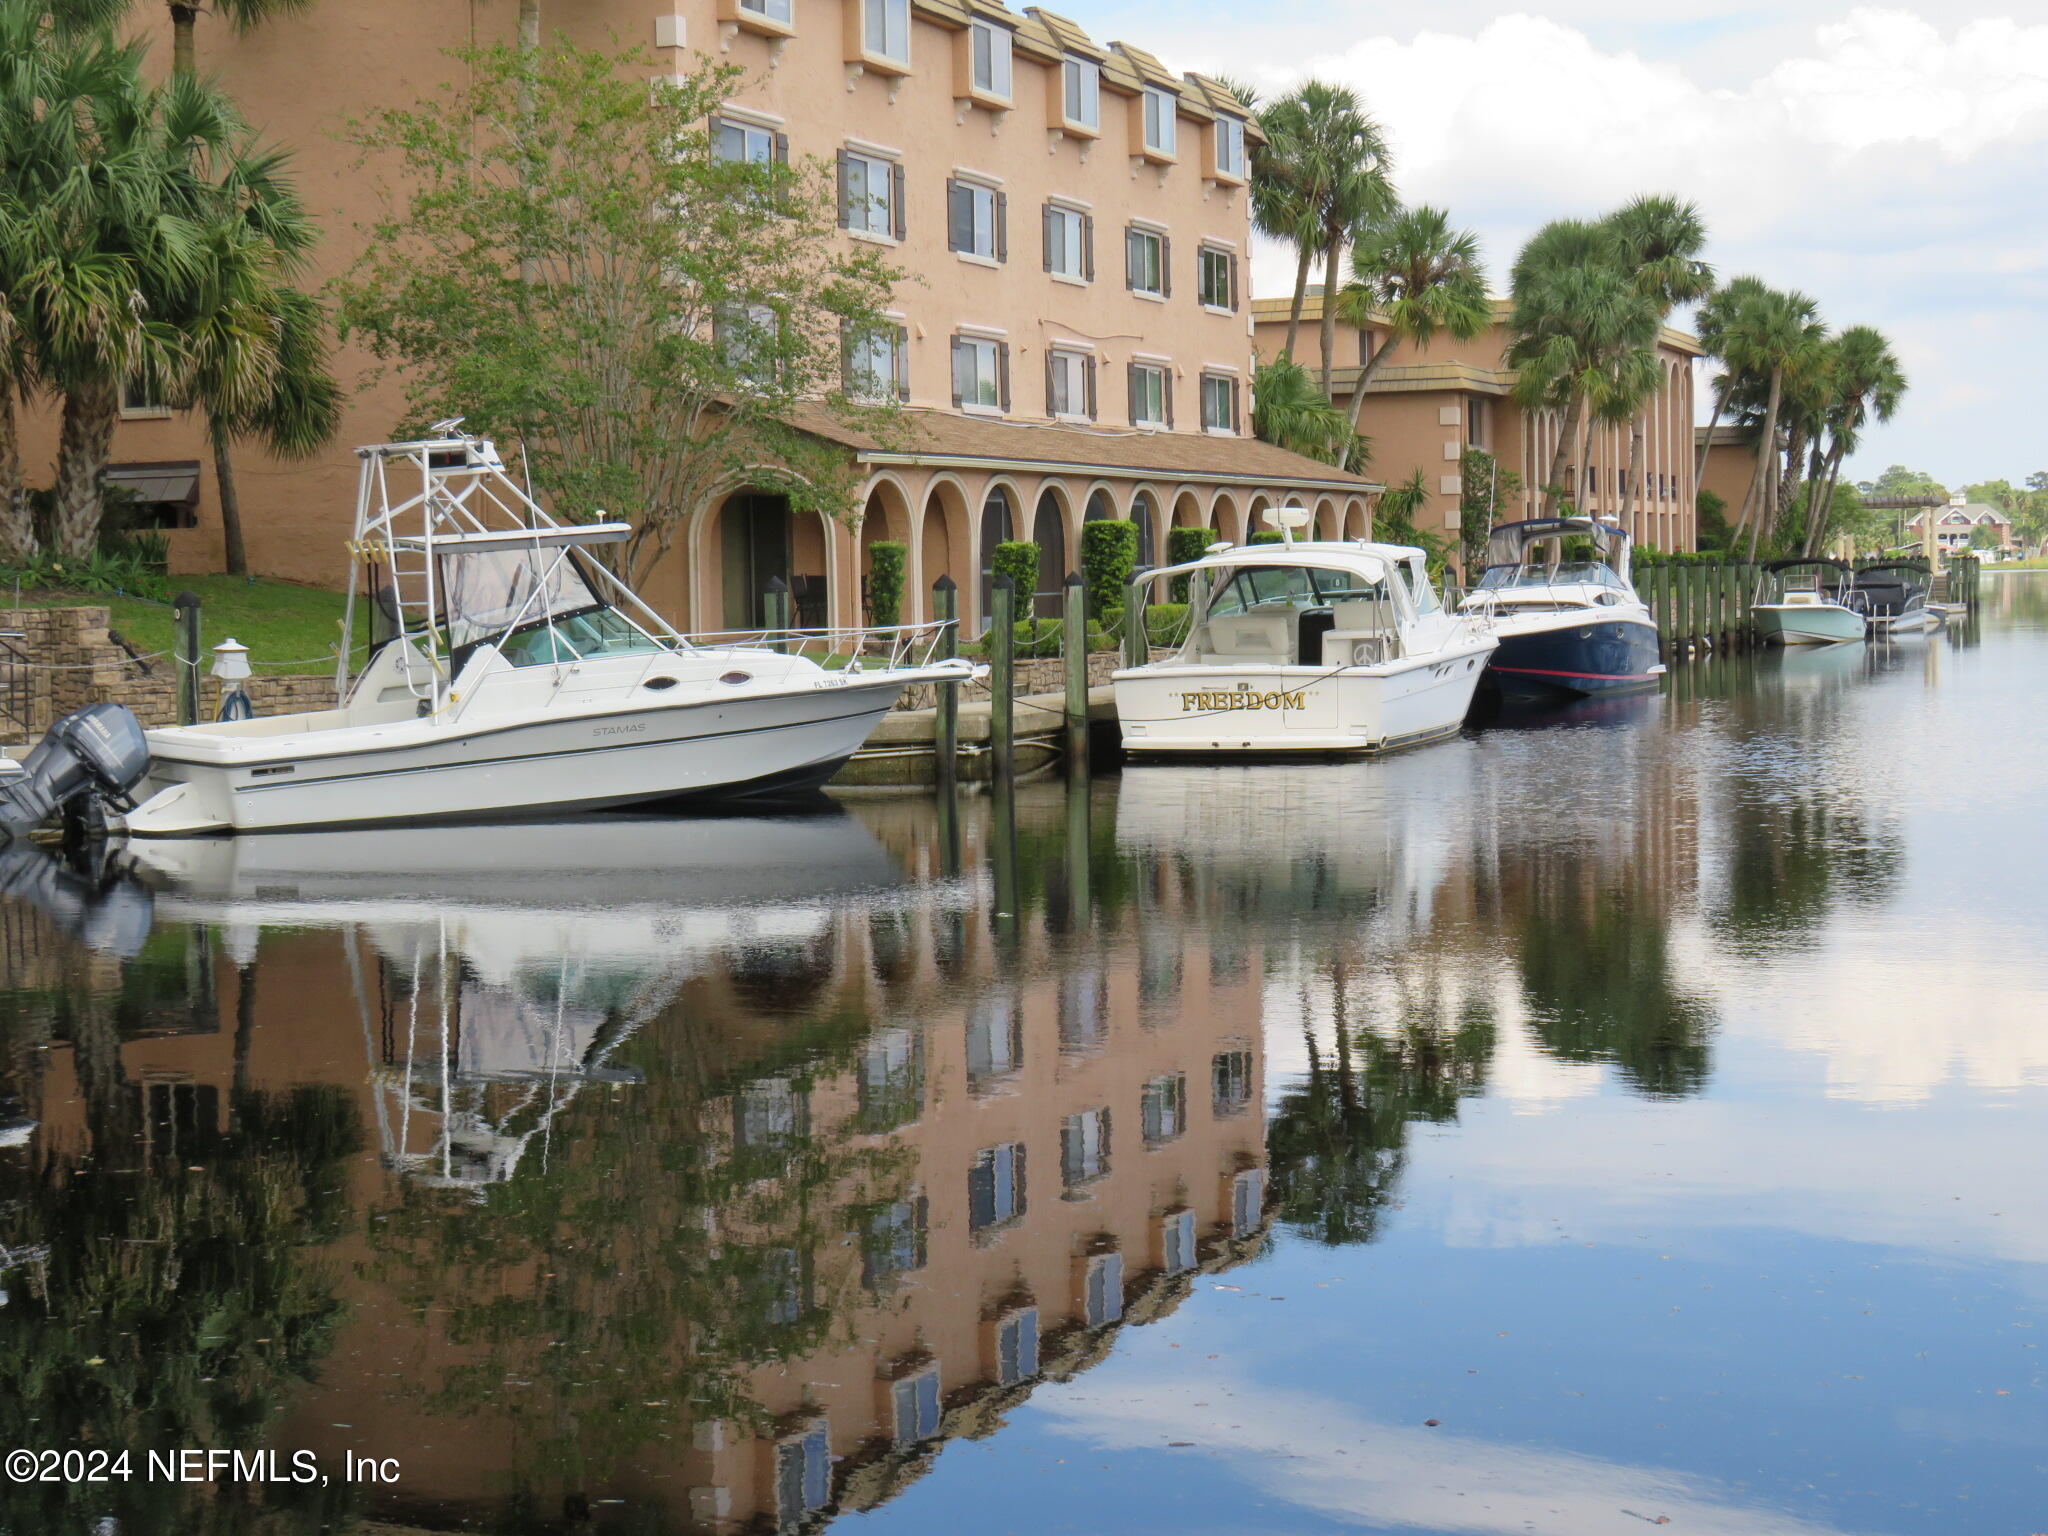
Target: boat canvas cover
(483, 595)
(1507, 543)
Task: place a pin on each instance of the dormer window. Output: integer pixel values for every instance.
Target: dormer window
(777, 11)
(1083, 84)
(1230, 148)
(990, 46)
(1160, 122)
(885, 29)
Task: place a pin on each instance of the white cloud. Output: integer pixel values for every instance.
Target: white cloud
(1887, 164)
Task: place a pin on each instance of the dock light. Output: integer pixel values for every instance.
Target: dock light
(1287, 519)
(231, 660)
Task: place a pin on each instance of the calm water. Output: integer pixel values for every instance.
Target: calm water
(1627, 1117)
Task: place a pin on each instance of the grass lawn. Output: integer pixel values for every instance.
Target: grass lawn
(277, 620)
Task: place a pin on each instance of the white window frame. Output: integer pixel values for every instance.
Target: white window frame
(1069, 366)
(914, 1411)
(987, 217)
(1203, 252)
(1017, 1346)
(1227, 427)
(869, 206)
(1081, 92)
(1230, 146)
(1161, 115)
(1102, 1294)
(867, 380)
(748, 128)
(781, 12)
(990, 349)
(1073, 241)
(1158, 239)
(1158, 373)
(1177, 1242)
(893, 17)
(990, 44)
(809, 1449)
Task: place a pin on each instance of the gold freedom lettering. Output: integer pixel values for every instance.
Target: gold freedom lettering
(1208, 701)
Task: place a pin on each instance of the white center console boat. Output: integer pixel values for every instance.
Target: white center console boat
(513, 672)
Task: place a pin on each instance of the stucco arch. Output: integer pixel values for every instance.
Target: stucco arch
(943, 544)
(726, 581)
(1325, 524)
(886, 515)
(1254, 510)
(992, 527)
(1357, 520)
(1057, 535)
(1224, 516)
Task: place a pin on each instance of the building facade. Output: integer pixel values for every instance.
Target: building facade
(1073, 342)
(1428, 404)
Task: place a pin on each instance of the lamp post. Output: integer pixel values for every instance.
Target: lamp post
(231, 666)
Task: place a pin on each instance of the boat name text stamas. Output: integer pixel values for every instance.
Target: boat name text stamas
(619, 730)
(1214, 700)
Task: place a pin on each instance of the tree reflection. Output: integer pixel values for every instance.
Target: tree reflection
(1791, 860)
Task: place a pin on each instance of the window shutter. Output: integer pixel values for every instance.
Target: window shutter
(1166, 393)
(1237, 406)
(846, 357)
(1233, 282)
(959, 217)
(1045, 229)
(896, 197)
(1051, 397)
(902, 363)
(1088, 246)
(1131, 392)
(717, 128)
(1003, 374)
(845, 192)
(1002, 227)
(782, 149)
(1165, 267)
(1088, 384)
(959, 366)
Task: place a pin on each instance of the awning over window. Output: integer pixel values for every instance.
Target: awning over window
(177, 481)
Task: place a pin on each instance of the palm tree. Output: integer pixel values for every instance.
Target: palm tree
(242, 15)
(1289, 410)
(1361, 193)
(1415, 275)
(1659, 239)
(1775, 329)
(1576, 312)
(1868, 384)
(1719, 325)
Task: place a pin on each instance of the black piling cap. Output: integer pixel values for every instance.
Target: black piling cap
(1076, 579)
(1005, 583)
(944, 584)
(185, 600)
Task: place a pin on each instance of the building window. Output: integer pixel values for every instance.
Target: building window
(785, 1287)
(1476, 434)
(991, 48)
(747, 339)
(1247, 1202)
(891, 1079)
(1217, 269)
(1084, 1147)
(1230, 147)
(1147, 262)
(803, 1475)
(995, 1186)
(138, 398)
(1084, 1009)
(1163, 1108)
(749, 143)
(977, 220)
(1083, 82)
(892, 1243)
(1103, 1293)
(769, 10)
(1069, 384)
(1148, 391)
(995, 1041)
(877, 365)
(1069, 243)
(1160, 121)
(1219, 402)
(1177, 1242)
(870, 194)
(916, 1400)
(1017, 1347)
(981, 373)
(771, 1113)
(885, 29)
(1230, 1083)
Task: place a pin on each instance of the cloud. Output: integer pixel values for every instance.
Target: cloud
(1888, 165)
(1315, 1454)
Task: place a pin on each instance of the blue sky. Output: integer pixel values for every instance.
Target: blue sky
(1891, 161)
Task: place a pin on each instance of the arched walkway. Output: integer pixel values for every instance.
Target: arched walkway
(756, 537)
(1187, 511)
(944, 542)
(1254, 518)
(887, 518)
(1357, 521)
(998, 526)
(1224, 516)
(1049, 533)
(1325, 525)
(1145, 514)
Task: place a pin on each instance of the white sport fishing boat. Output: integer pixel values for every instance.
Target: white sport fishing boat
(512, 673)
(1301, 647)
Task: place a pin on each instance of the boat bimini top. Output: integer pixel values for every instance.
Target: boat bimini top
(1509, 548)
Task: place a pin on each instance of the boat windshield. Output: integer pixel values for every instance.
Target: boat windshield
(595, 631)
(1572, 573)
(1290, 586)
(485, 594)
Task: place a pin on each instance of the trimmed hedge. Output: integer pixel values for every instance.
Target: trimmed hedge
(1018, 560)
(1109, 553)
(1182, 546)
(886, 558)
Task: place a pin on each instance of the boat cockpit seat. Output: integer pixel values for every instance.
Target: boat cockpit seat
(1364, 634)
(1259, 639)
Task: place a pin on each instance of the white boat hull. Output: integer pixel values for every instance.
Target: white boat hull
(559, 762)
(1292, 710)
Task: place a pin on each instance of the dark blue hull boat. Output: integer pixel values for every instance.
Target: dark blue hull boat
(1595, 656)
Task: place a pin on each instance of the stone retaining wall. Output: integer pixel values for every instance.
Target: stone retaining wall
(68, 659)
(1039, 676)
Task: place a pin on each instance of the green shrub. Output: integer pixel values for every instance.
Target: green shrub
(1166, 623)
(1018, 560)
(885, 582)
(1109, 553)
(1266, 536)
(1184, 545)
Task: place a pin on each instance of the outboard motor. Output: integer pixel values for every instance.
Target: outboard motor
(93, 754)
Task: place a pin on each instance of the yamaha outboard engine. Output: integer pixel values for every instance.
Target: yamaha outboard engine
(94, 754)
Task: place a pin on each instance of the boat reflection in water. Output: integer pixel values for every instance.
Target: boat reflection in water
(726, 1170)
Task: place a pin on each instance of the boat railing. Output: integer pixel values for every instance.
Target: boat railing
(866, 648)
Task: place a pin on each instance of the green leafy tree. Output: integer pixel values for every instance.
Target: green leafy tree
(1394, 521)
(1897, 480)
(571, 263)
(1417, 277)
(1289, 410)
(1488, 490)
(1658, 240)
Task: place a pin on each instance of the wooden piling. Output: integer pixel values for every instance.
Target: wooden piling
(1002, 679)
(1074, 649)
(185, 619)
(946, 715)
